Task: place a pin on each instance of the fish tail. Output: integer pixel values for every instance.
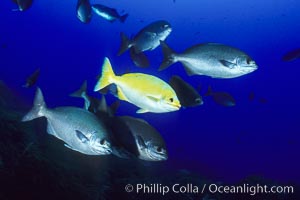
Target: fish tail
(103, 105)
(209, 91)
(123, 18)
(81, 92)
(106, 77)
(169, 56)
(125, 44)
(39, 107)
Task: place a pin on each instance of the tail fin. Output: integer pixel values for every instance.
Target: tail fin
(81, 92)
(109, 110)
(125, 44)
(139, 59)
(106, 77)
(209, 91)
(168, 56)
(123, 18)
(38, 107)
(103, 105)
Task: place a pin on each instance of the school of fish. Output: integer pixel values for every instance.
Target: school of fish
(96, 130)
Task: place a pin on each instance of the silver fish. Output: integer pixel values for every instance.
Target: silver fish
(139, 138)
(210, 59)
(81, 130)
(148, 38)
(110, 14)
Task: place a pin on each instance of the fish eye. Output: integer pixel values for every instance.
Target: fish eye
(171, 99)
(159, 149)
(198, 100)
(102, 142)
(164, 26)
(248, 60)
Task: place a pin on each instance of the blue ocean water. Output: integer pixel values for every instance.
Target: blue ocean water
(254, 138)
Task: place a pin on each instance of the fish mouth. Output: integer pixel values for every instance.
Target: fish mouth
(176, 106)
(252, 67)
(172, 105)
(169, 30)
(105, 151)
(249, 68)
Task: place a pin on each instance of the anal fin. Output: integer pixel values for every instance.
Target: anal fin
(81, 136)
(188, 71)
(51, 130)
(121, 95)
(68, 146)
(141, 142)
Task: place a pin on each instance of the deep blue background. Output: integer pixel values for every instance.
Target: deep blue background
(251, 138)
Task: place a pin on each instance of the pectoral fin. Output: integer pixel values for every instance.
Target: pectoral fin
(152, 98)
(141, 142)
(81, 137)
(142, 110)
(50, 129)
(189, 71)
(151, 34)
(228, 64)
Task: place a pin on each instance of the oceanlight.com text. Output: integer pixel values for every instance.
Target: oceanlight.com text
(158, 188)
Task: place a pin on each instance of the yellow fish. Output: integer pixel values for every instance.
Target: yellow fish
(148, 92)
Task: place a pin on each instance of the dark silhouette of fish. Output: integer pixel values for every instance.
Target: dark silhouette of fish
(32, 79)
(221, 98)
(186, 94)
(84, 11)
(263, 100)
(291, 55)
(251, 96)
